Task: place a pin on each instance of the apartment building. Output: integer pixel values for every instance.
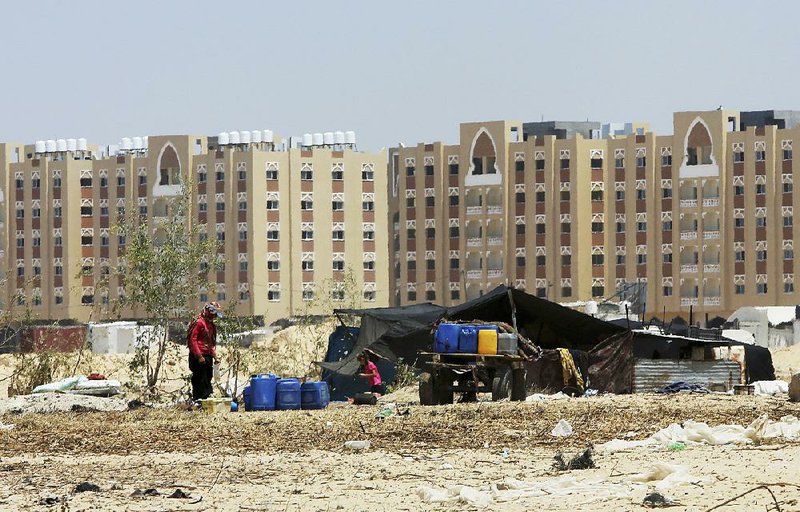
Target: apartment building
(295, 219)
(702, 218)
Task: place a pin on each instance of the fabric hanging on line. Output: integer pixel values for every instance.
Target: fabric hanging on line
(569, 369)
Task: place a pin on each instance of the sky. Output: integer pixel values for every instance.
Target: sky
(393, 72)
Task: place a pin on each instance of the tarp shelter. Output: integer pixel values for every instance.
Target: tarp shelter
(614, 362)
(401, 332)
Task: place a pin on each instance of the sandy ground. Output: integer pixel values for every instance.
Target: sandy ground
(295, 460)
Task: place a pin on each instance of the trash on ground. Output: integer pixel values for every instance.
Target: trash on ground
(179, 494)
(138, 493)
(656, 499)
(562, 429)
(771, 387)
(677, 387)
(87, 487)
(541, 397)
(666, 476)
(357, 445)
(676, 446)
(6, 426)
(693, 433)
(582, 460)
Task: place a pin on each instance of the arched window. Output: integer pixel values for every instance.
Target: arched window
(169, 167)
(484, 155)
(698, 145)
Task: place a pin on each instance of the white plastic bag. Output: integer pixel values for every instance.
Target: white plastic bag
(562, 429)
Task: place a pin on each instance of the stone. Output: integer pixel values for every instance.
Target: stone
(794, 388)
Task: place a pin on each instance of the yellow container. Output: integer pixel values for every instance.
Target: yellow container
(214, 405)
(487, 341)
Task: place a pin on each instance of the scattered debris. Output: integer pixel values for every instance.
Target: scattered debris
(580, 461)
(138, 493)
(562, 429)
(656, 499)
(179, 494)
(82, 408)
(356, 445)
(87, 487)
(4, 426)
(49, 501)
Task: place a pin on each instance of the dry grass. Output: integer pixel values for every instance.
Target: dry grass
(516, 425)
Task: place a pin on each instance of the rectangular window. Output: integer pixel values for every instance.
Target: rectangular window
(201, 178)
(641, 259)
(455, 263)
(272, 175)
(430, 233)
(86, 182)
(430, 264)
(273, 235)
(739, 255)
(666, 225)
(519, 165)
(430, 202)
(242, 206)
(598, 259)
(566, 260)
(520, 196)
(142, 181)
(539, 165)
(620, 194)
(454, 232)
(520, 261)
(788, 254)
(787, 188)
(620, 227)
(307, 235)
(411, 265)
(761, 222)
(761, 188)
(597, 195)
(666, 161)
(220, 175)
(307, 205)
(620, 259)
(540, 229)
(453, 169)
(367, 175)
(738, 289)
(788, 287)
(667, 257)
(565, 163)
(596, 163)
(641, 226)
(738, 190)
(641, 195)
(761, 255)
(598, 291)
(453, 200)
(338, 266)
(56, 182)
(87, 240)
(338, 234)
(566, 291)
(564, 195)
(541, 260)
(666, 193)
(242, 175)
(540, 196)
(273, 296)
(242, 236)
(760, 156)
(221, 236)
(337, 206)
(368, 206)
(788, 221)
(410, 170)
(411, 202)
(455, 295)
(787, 154)
(308, 266)
(428, 170)
(220, 206)
(202, 207)
(411, 233)
(761, 288)
(86, 211)
(20, 213)
(520, 229)
(738, 222)
(619, 163)
(369, 265)
(306, 174)
(641, 161)
(667, 291)
(272, 204)
(412, 296)
(597, 227)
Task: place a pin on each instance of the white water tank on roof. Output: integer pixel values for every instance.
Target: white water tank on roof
(318, 139)
(244, 135)
(257, 136)
(39, 146)
(82, 146)
(144, 140)
(50, 145)
(338, 137)
(327, 138)
(72, 145)
(234, 137)
(349, 137)
(138, 143)
(223, 139)
(126, 144)
(268, 137)
(61, 145)
(308, 139)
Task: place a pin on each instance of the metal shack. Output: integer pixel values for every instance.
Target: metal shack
(640, 361)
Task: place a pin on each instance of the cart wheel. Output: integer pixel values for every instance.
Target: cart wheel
(518, 391)
(500, 386)
(426, 384)
(442, 385)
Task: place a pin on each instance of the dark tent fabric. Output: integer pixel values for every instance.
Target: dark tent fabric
(611, 361)
(548, 324)
(394, 333)
(340, 346)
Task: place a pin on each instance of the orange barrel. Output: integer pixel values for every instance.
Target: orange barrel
(487, 339)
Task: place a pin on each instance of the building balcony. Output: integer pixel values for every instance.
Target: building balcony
(474, 274)
(474, 242)
(688, 269)
(711, 301)
(688, 235)
(688, 203)
(711, 235)
(494, 273)
(495, 240)
(711, 201)
(712, 267)
(492, 210)
(689, 301)
(474, 210)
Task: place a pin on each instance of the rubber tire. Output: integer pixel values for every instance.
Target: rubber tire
(442, 382)
(501, 386)
(518, 388)
(426, 387)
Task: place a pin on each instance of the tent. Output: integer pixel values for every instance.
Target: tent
(401, 332)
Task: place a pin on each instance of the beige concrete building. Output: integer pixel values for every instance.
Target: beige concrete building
(579, 211)
(296, 219)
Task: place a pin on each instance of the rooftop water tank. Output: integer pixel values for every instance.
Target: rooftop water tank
(327, 138)
(61, 145)
(234, 137)
(338, 137)
(223, 139)
(138, 143)
(268, 137)
(308, 140)
(144, 140)
(39, 146)
(257, 136)
(245, 136)
(350, 137)
(318, 139)
(126, 144)
(50, 145)
(82, 146)
(72, 145)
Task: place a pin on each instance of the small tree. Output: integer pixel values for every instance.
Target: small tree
(165, 265)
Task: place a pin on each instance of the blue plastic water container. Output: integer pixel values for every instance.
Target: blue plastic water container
(263, 392)
(468, 339)
(446, 338)
(314, 395)
(288, 394)
(247, 393)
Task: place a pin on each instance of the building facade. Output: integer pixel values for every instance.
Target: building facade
(702, 218)
(293, 222)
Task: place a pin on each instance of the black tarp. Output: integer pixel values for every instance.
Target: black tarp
(611, 361)
(340, 346)
(395, 333)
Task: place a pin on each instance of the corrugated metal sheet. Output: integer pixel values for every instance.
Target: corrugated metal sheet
(652, 374)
